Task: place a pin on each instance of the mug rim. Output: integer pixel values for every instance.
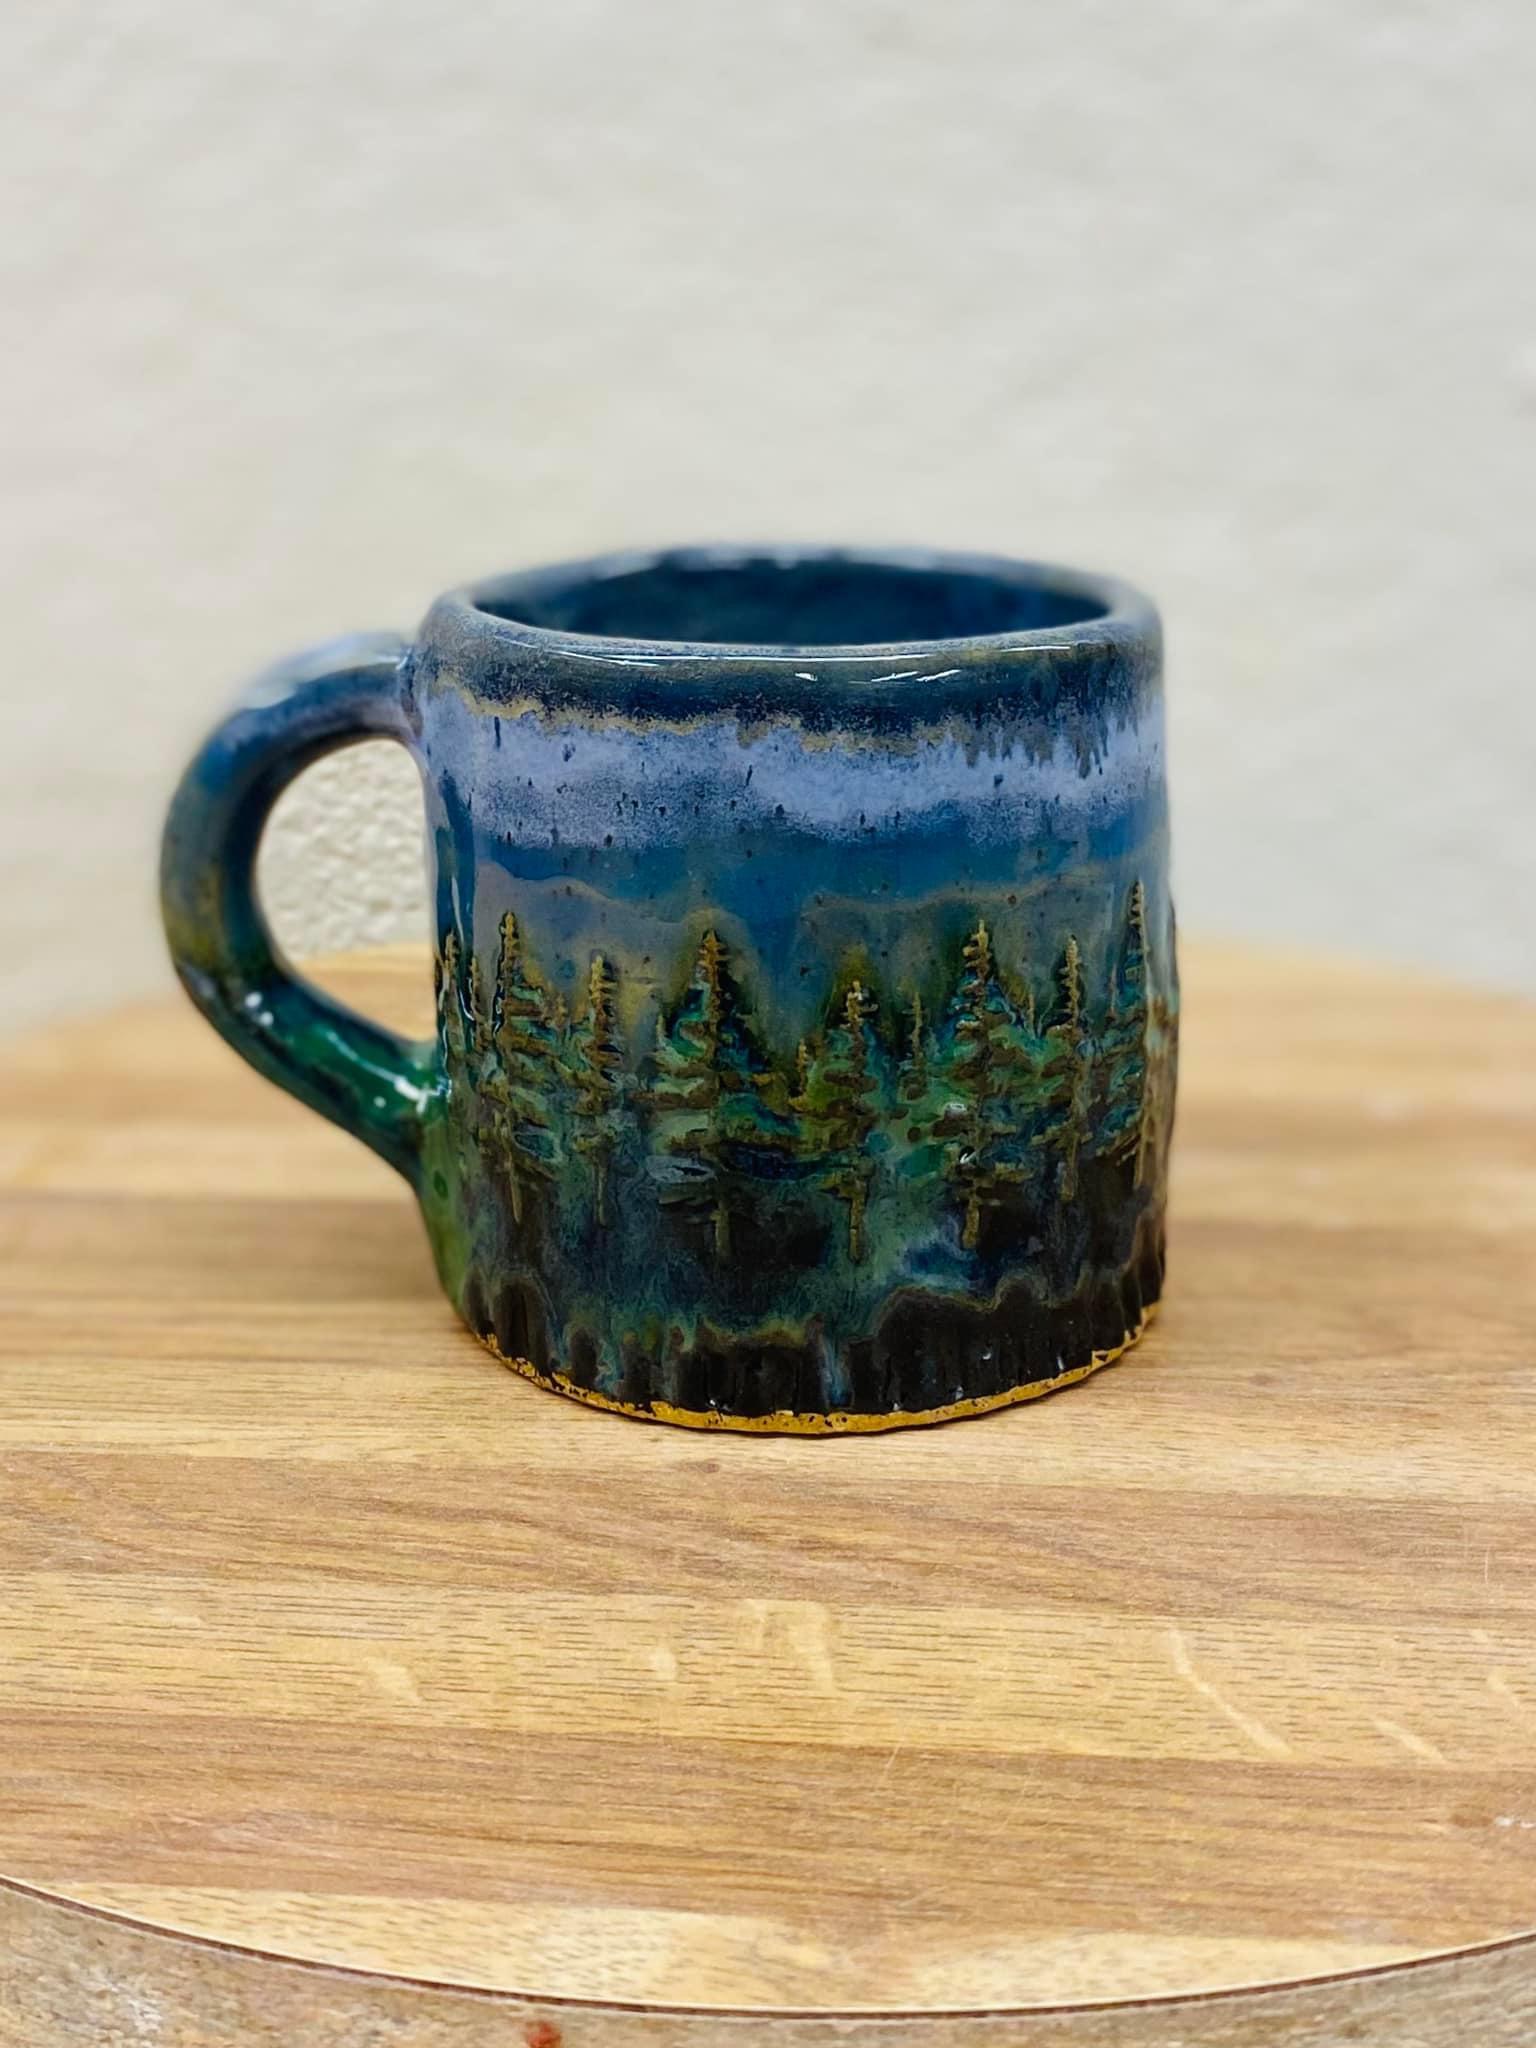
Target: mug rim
(1120, 616)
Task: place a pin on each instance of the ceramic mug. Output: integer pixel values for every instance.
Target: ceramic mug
(805, 971)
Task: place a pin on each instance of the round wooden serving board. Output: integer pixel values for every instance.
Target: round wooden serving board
(354, 1691)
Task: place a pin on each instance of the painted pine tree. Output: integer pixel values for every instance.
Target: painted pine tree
(476, 1007)
(839, 1103)
(1120, 1055)
(979, 1089)
(452, 1028)
(594, 1064)
(912, 1079)
(520, 1077)
(1064, 1073)
(479, 1063)
(1162, 1062)
(716, 1128)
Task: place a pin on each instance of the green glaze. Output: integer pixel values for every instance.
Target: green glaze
(374, 1084)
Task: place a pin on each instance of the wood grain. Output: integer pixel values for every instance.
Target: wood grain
(323, 1636)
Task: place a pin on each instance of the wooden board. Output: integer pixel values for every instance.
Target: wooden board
(323, 1637)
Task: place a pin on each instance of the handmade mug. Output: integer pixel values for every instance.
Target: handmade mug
(805, 972)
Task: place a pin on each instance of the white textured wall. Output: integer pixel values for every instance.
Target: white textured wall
(311, 309)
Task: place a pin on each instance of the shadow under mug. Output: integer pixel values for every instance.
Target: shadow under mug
(806, 999)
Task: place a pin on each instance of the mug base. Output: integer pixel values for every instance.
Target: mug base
(838, 1422)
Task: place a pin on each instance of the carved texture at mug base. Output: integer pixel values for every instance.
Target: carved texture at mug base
(840, 1422)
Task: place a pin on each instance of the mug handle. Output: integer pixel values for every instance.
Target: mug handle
(377, 1086)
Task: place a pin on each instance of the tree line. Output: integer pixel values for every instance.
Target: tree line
(994, 1107)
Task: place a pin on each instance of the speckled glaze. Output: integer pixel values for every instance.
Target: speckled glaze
(806, 994)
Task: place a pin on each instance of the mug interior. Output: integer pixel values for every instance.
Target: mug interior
(710, 597)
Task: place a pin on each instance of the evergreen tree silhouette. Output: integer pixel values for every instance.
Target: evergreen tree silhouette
(912, 1083)
(1162, 1061)
(839, 1102)
(1121, 1062)
(475, 1006)
(981, 1089)
(452, 1027)
(519, 1073)
(1064, 1074)
(595, 1064)
(716, 1130)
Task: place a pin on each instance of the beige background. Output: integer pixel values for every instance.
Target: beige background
(313, 308)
